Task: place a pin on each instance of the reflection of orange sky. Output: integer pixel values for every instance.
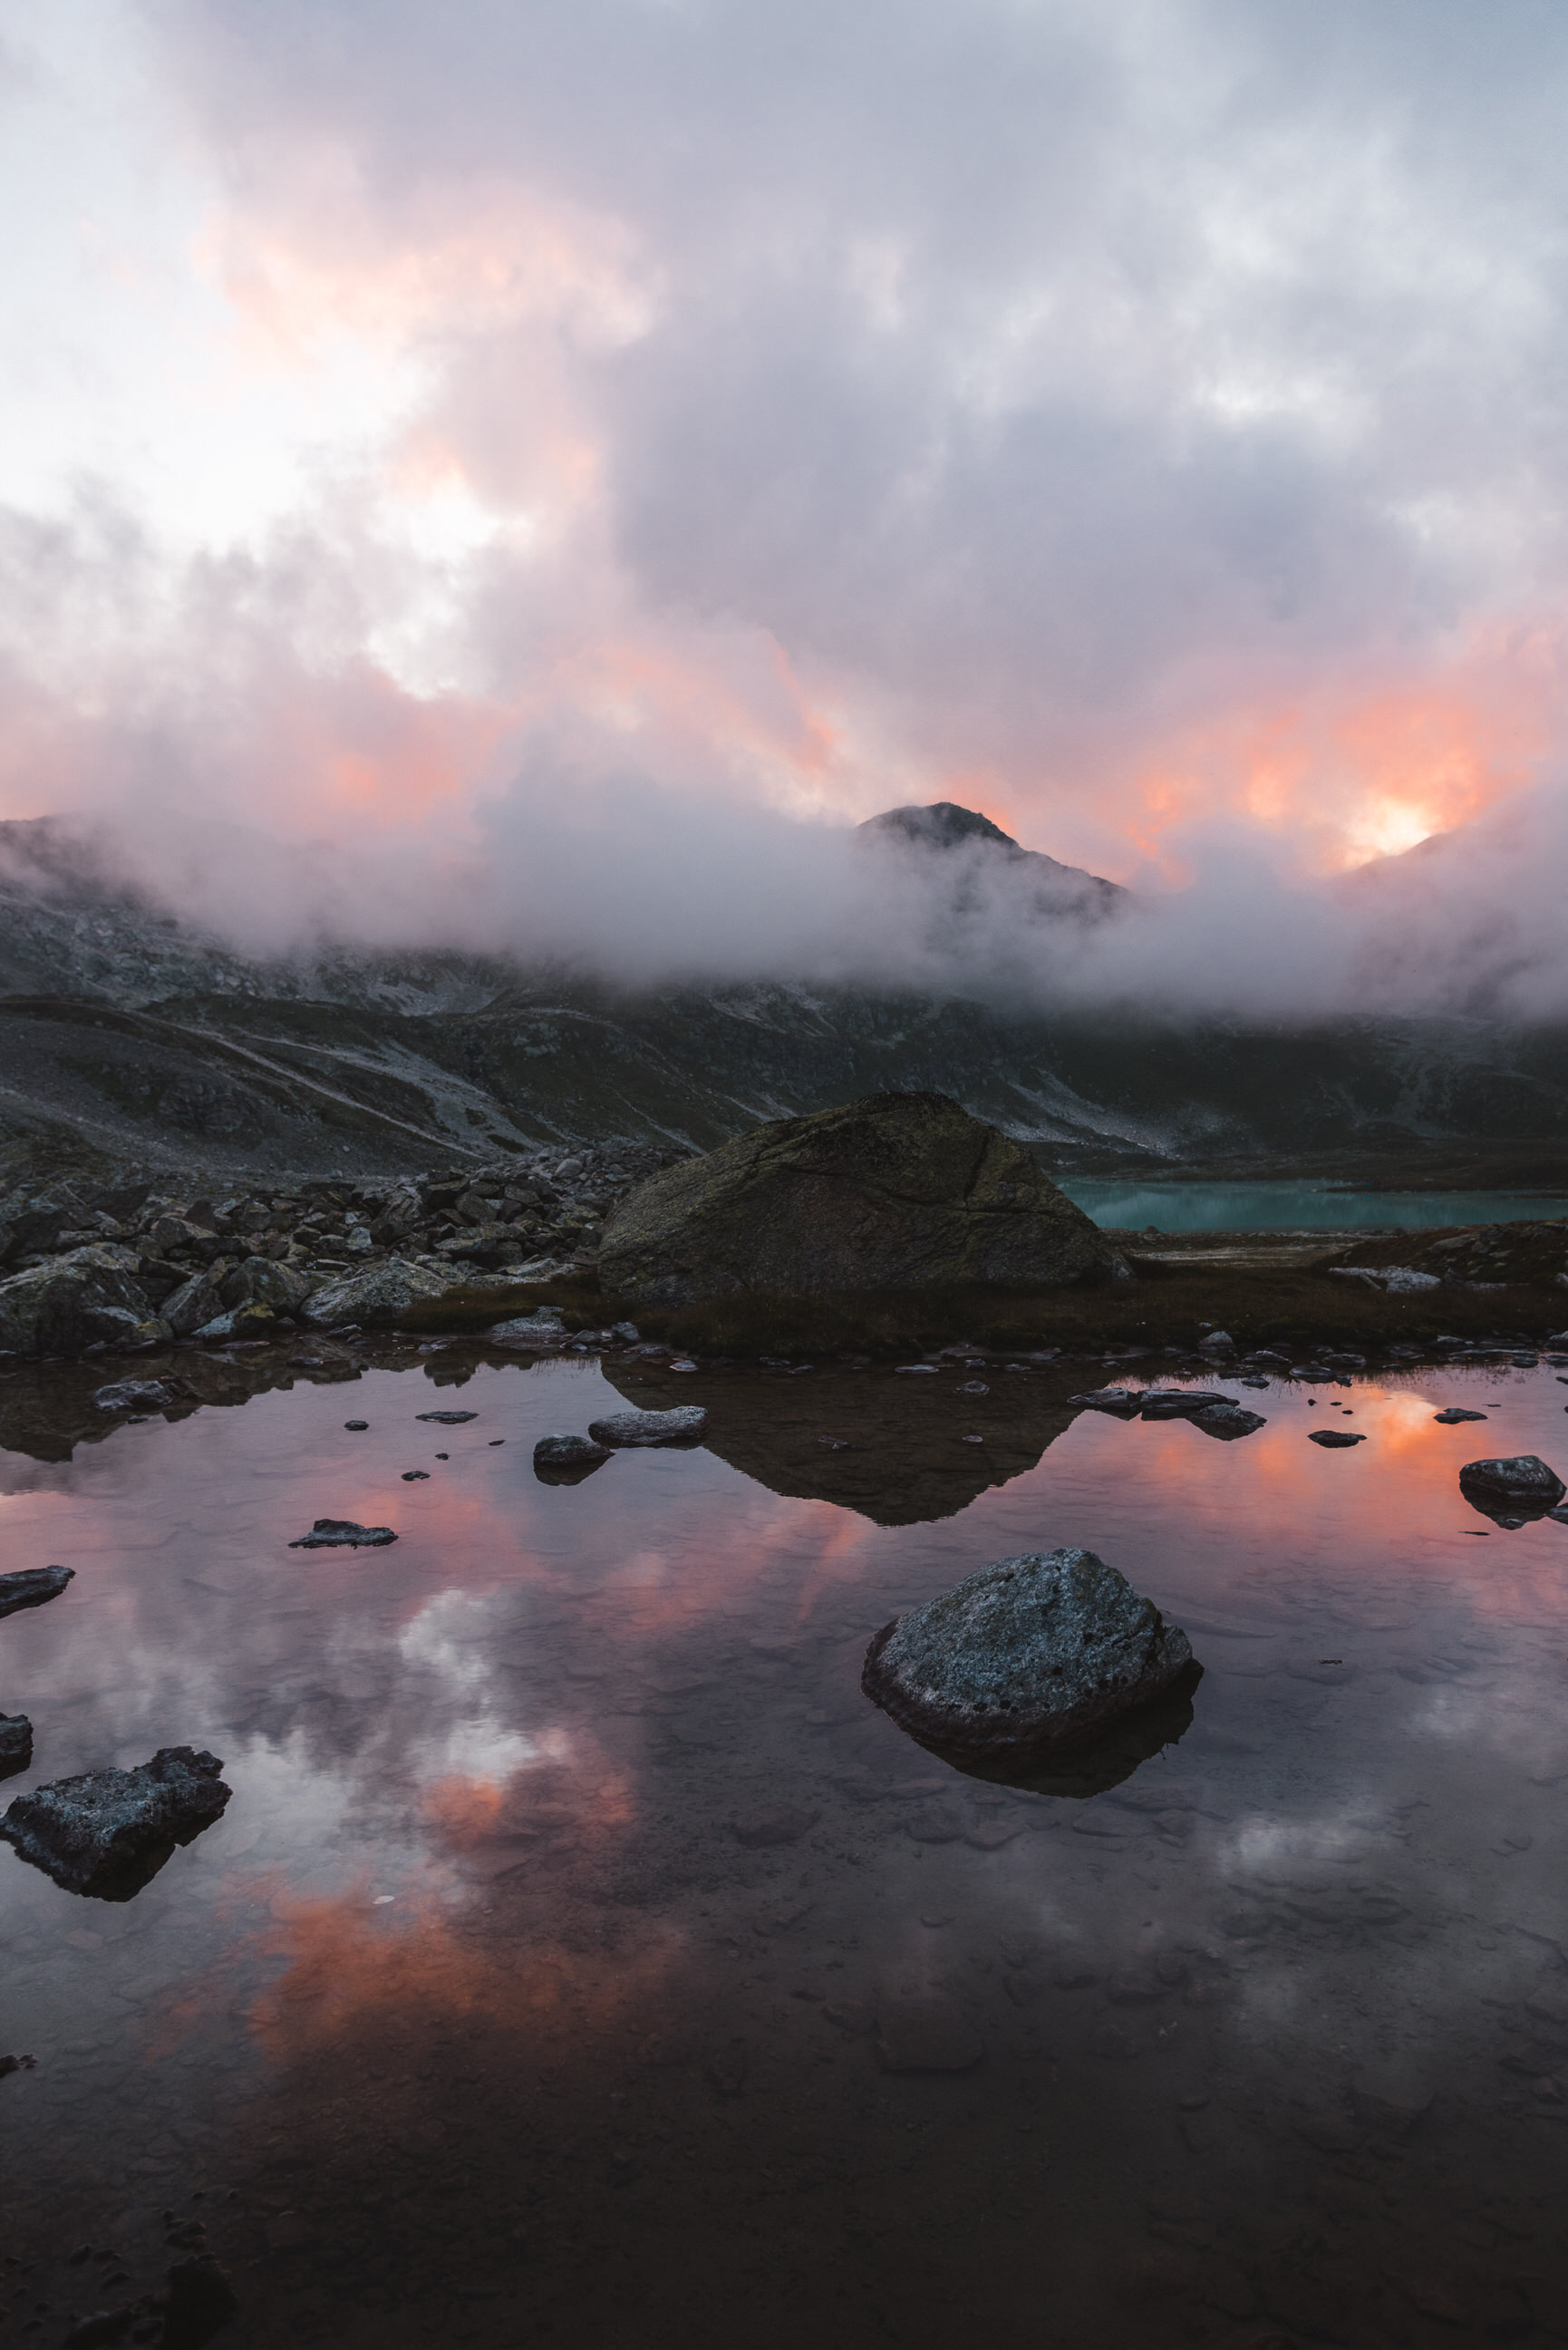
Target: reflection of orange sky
(467, 1809)
(346, 1962)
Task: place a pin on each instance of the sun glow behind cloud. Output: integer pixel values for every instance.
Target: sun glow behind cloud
(1125, 428)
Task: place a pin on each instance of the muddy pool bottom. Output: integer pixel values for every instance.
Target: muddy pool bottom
(581, 1957)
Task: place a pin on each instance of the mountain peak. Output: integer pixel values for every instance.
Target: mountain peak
(943, 825)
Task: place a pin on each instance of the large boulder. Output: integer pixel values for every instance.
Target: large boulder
(259, 1281)
(1521, 1484)
(1028, 1656)
(897, 1191)
(379, 1296)
(60, 1307)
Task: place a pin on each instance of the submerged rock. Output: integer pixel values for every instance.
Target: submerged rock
(16, 1744)
(1031, 1654)
(1521, 1483)
(683, 1424)
(29, 1587)
(895, 1191)
(107, 1833)
(343, 1533)
(201, 2301)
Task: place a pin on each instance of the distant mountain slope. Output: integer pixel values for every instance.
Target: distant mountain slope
(128, 1039)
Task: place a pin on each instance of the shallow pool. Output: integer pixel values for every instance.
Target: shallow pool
(1296, 1207)
(581, 1957)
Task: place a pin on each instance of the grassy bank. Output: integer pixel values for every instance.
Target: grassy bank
(1167, 1306)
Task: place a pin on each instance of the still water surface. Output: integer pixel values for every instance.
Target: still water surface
(488, 2013)
(1297, 1207)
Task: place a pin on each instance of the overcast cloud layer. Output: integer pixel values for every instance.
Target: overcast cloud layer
(538, 472)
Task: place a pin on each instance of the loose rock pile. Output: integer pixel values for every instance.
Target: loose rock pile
(87, 1269)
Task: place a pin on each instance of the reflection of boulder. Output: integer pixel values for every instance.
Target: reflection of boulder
(1106, 1762)
(107, 1833)
(1028, 1656)
(893, 1449)
(897, 1191)
(16, 1744)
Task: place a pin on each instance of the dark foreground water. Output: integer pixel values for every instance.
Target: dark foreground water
(1269, 1207)
(488, 2013)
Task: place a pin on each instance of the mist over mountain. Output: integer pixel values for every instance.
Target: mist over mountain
(131, 1036)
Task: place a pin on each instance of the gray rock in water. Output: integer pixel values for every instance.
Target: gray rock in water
(72, 1301)
(1453, 1415)
(681, 1425)
(16, 1744)
(448, 1418)
(134, 1395)
(343, 1533)
(1030, 1655)
(1121, 1403)
(108, 1832)
(1183, 1403)
(1335, 1439)
(1524, 1482)
(569, 1452)
(895, 1191)
(29, 1587)
(1227, 1420)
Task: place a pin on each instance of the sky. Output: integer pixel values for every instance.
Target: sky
(617, 445)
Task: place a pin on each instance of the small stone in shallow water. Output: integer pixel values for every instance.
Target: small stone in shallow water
(1454, 1414)
(106, 1833)
(568, 1452)
(1334, 1440)
(1042, 1651)
(343, 1533)
(447, 1418)
(971, 1388)
(358, 1426)
(416, 1476)
(29, 1587)
(1524, 1480)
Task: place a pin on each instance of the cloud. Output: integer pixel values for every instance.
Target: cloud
(551, 469)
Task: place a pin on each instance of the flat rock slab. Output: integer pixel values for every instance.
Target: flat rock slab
(1032, 1654)
(343, 1533)
(108, 1832)
(1523, 1481)
(1454, 1414)
(683, 1424)
(1334, 1440)
(542, 1331)
(915, 2037)
(31, 1586)
(16, 1744)
(448, 1418)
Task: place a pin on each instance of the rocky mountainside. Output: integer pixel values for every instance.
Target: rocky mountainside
(131, 1045)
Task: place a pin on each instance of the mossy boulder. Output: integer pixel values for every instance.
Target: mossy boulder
(896, 1192)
